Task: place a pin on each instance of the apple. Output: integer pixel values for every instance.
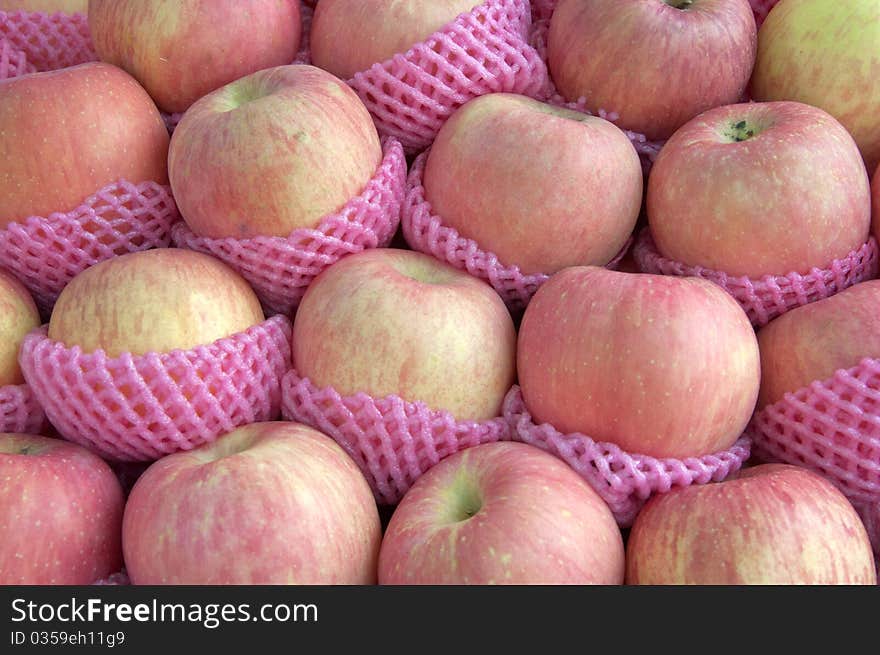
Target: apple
(18, 316)
(60, 513)
(660, 366)
(501, 513)
(66, 134)
(876, 187)
(772, 524)
(269, 503)
(759, 189)
(389, 322)
(825, 54)
(813, 341)
(573, 201)
(272, 152)
(153, 301)
(181, 50)
(46, 6)
(347, 37)
(655, 63)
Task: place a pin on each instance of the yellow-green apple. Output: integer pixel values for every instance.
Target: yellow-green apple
(573, 201)
(18, 316)
(662, 366)
(60, 513)
(153, 301)
(771, 524)
(502, 513)
(272, 152)
(813, 341)
(825, 54)
(398, 322)
(759, 189)
(348, 37)
(65, 134)
(269, 503)
(181, 50)
(46, 6)
(655, 63)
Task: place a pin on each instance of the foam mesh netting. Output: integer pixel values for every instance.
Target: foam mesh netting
(393, 441)
(767, 297)
(624, 480)
(425, 231)
(280, 269)
(46, 252)
(19, 410)
(831, 426)
(141, 408)
(32, 41)
(482, 51)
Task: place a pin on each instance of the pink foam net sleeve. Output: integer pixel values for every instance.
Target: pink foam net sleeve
(32, 41)
(19, 410)
(624, 480)
(141, 408)
(46, 252)
(425, 231)
(482, 51)
(281, 268)
(393, 441)
(831, 426)
(767, 297)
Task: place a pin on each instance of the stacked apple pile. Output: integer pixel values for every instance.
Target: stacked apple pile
(507, 386)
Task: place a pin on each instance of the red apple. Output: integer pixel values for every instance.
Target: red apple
(398, 322)
(661, 366)
(269, 503)
(656, 63)
(153, 301)
(348, 37)
(772, 524)
(501, 513)
(46, 6)
(182, 49)
(18, 316)
(573, 201)
(759, 189)
(825, 54)
(60, 513)
(66, 134)
(812, 342)
(272, 152)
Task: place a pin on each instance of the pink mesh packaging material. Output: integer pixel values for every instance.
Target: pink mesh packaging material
(767, 297)
(32, 41)
(424, 231)
(20, 411)
(624, 480)
(483, 51)
(141, 408)
(281, 268)
(393, 441)
(831, 426)
(45, 253)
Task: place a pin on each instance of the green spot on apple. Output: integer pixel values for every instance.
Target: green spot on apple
(739, 131)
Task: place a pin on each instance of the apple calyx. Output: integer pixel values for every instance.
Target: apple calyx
(465, 500)
(740, 131)
(679, 4)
